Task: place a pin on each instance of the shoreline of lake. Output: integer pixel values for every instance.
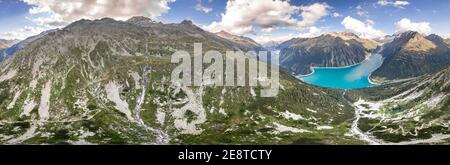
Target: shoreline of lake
(354, 76)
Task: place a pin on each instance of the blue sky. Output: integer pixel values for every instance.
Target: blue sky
(263, 20)
(13, 15)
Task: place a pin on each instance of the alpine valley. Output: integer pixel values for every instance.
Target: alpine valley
(108, 82)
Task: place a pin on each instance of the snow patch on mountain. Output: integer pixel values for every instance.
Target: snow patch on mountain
(324, 127)
(8, 75)
(160, 116)
(13, 102)
(45, 101)
(195, 106)
(289, 115)
(113, 94)
(435, 100)
(137, 78)
(28, 106)
(280, 128)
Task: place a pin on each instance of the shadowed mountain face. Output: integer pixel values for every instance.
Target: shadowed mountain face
(411, 54)
(438, 40)
(108, 82)
(328, 50)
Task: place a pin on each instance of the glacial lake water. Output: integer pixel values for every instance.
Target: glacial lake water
(351, 77)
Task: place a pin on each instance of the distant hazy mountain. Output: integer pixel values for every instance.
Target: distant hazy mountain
(239, 39)
(290, 42)
(18, 45)
(328, 50)
(271, 44)
(385, 39)
(7, 43)
(412, 54)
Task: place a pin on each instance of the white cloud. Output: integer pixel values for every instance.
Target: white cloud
(383, 2)
(22, 33)
(360, 11)
(53, 20)
(365, 30)
(199, 7)
(267, 30)
(406, 24)
(65, 11)
(311, 14)
(370, 22)
(336, 14)
(248, 16)
(312, 32)
(266, 39)
(399, 4)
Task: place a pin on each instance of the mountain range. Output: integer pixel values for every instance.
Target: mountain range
(298, 55)
(108, 82)
(406, 55)
(412, 54)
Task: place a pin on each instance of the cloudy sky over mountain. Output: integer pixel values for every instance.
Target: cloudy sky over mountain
(263, 20)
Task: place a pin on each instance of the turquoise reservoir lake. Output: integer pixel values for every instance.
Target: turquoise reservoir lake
(351, 77)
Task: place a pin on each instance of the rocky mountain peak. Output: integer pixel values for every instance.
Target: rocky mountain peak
(77, 23)
(409, 34)
(139, 18)
(187, 22)
(349, 36)
(412, 54)
(343, 35)
(141, 21)
(238, 39)
(412, 41)
(409, 41)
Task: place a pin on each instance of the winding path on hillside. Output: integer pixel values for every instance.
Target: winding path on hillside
(371, 140)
